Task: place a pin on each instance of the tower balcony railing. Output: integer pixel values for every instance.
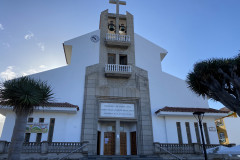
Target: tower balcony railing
(118, 40)
(118, 37)
(116, 70)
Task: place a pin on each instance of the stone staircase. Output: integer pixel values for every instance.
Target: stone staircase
(163, 157)
(122, 158)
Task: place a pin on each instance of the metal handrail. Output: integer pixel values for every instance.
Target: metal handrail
(73, 151)
(170, 153)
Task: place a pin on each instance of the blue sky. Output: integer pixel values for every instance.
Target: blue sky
(32, 31)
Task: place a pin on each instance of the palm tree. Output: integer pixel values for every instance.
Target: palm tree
(24, 95)
(218, 79)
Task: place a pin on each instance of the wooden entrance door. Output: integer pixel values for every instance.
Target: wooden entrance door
(109, 143)
(123, 143)
(133, 143)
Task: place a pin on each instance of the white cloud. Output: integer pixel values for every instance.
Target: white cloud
(1, 27)
(6, 44)
(42, 66)
(41, 46)
(28, 36)
(29, 72)
(8, 73)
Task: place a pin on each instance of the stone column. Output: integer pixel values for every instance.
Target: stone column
(117, 23)
(44, 147)
(117, 138)
(196, 148)
(117, 59)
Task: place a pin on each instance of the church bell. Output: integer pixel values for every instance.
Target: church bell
(122, 27)
(111, 26)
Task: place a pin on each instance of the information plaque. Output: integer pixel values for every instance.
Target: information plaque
(118, 110)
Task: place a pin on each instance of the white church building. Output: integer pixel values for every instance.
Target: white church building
(114, 94)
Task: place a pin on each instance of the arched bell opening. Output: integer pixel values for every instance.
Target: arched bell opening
(112, 26)
(122, 27)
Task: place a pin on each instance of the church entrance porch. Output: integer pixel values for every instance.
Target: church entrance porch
(117, 138)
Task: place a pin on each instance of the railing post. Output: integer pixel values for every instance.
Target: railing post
(197, 148)
(118, 38)
(2, 146)
(156, 148)
(44, 147)
(85, 149)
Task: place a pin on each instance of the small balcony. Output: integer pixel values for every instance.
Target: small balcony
(116, 40)
(116, 70)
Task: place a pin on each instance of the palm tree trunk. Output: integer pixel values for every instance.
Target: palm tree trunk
(15, 148)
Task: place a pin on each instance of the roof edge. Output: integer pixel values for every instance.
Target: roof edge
(188, 109)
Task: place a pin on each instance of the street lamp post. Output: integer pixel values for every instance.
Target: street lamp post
(199, 116)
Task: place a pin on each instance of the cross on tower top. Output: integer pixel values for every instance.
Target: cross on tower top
(117, 2)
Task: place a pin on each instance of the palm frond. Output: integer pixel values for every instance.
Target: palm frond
(25, 93)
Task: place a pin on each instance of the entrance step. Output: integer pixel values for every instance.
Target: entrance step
(122, 158)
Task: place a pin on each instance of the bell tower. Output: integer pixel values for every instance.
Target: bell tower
(116, 117)
(117, 40)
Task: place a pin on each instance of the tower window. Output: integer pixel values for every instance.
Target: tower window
(111, 58)
(123, 59)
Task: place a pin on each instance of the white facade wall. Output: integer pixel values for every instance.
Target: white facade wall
(2, 120)
(165, 89)
(171, 129)
(159, 129)
(233, 130)
(66, 128)
(8, 126)
(68, 85)
(68, 82)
